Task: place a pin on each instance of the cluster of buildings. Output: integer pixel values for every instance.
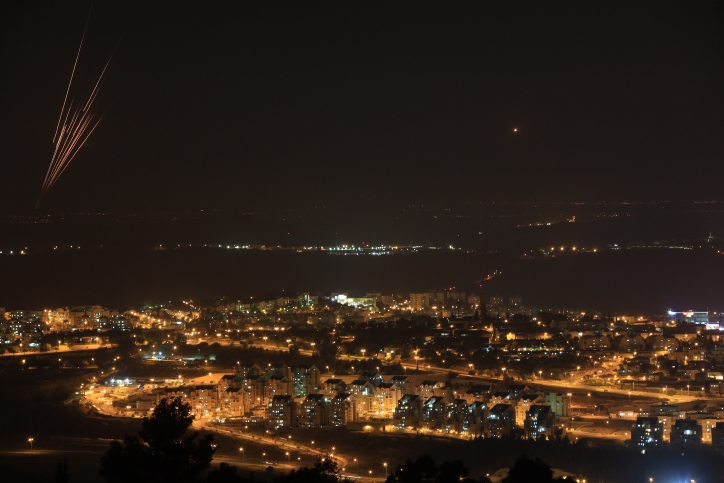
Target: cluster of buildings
(281, 397)
(459, 304)
(675, 351)
(664, 422)
(24, 329)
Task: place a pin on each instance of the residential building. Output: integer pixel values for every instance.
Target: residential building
(501, 420)
(686, 431)
(455, 416)
(717, 435)
(433, 413)
(476, 414)
(404, 383)
(232, 402)
(647, 431)
(384, 400)
(523, 405)
(343, 409)
(276, 385)
(332, 387)
(477, 393)
(407, 413)
(539, 422)
(419, 301)
(282, 412)
(314, 411)
(559, 404)
(307, 380)
(668, 414)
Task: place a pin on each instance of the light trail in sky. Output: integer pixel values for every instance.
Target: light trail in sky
(75, 124)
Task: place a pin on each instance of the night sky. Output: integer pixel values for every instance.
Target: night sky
(237, 105)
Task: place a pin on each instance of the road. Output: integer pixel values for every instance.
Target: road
(62, 350)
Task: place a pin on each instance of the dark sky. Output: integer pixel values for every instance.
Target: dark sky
(236, 105)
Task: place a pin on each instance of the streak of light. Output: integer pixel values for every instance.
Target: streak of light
(75, 124)
(72, 73)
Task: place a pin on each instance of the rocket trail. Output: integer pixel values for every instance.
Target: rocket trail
(75, 124)
(100, 81)
(72, 73)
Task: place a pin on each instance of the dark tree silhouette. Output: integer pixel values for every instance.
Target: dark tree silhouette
(61, 472)
(227, 474)
(163, 451)
(526, 470)
(425, 470)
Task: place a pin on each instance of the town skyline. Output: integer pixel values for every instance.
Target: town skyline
(377, 365)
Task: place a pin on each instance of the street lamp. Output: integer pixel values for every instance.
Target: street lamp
(30, 440)
(385, 465)
(243, 456)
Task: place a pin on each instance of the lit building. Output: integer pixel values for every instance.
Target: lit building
(667, 415)
(501, 420)
(717, 435)
(282, 412)
(407, 413)
(686, 431)
(476, 414)
(419, 301)
(433, 413)
(559, 404)
(539, 421)
(647, 431)
(307, 380)
(314, 411)
(342, 409)
(232, 402)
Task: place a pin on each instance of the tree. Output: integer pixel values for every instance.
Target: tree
(227, 474)
(61, 472)
(526, 470)
(425, 470)
(163, 451)
(328, 352)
